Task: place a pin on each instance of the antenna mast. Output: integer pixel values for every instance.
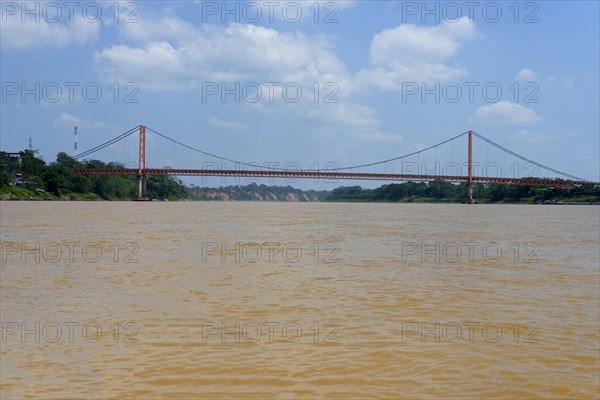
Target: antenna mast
(75, 144)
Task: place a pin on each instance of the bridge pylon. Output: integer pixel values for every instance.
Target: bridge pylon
(141, 192)
(470, 173)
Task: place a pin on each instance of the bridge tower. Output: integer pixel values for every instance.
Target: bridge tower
(141, 193)
(470, 167)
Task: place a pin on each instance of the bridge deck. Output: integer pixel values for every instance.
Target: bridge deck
(328, 175)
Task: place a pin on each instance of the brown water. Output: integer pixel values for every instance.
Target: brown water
(342, 303)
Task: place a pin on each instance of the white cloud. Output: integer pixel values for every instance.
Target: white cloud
(504, 112)
(27, 33)
(425, 43)
(526, 75)
(188, 56)
(411, 53)
(71, 120)
(532, 137)
(219, 123)
(168, 27)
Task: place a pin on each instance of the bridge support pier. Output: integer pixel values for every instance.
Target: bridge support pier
(141, 192)
(470, 199)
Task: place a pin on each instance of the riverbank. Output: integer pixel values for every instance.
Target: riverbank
(20, 194)
(12, 193)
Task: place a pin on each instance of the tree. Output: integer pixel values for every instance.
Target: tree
(497, 192)
(441, 190)
(30, 164)
(56, 181)
(164, 187)
(7, 163)
(114, 187)
(66, 161)
(5, 179)
(81, 184)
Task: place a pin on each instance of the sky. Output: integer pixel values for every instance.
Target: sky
(305, 84)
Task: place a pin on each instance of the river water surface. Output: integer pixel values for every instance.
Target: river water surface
(291, 300)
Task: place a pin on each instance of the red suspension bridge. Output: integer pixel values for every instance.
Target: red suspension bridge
(560, 179)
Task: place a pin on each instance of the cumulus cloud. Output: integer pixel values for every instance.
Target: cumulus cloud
(408, 41)
(27, 33)
(526, 75)
(188, 56)
(504, 112)
(166, 28)
(411, 53)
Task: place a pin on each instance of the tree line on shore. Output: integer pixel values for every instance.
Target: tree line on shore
(456, 193)
(29, 176)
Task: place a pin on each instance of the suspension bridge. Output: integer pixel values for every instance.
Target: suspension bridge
(553, 179)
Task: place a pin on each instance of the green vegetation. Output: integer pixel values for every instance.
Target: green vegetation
(444, 192)
(32, 178)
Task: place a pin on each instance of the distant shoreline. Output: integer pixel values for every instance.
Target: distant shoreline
(569, 203)
(408, 192)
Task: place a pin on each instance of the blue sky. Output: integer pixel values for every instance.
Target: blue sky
(370, 60)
